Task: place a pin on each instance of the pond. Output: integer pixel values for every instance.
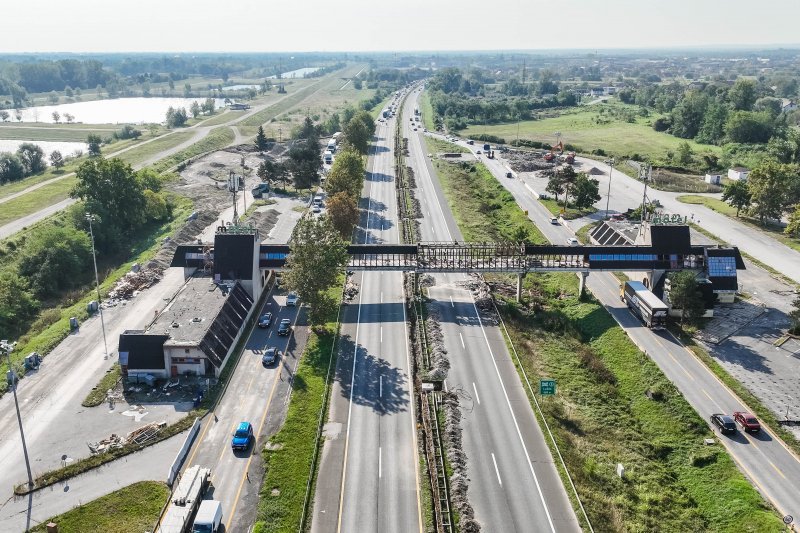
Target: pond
(66, 148)
(299, 73)
(113, 111)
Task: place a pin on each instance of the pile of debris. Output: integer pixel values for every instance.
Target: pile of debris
(481, 292)
(137, 436)
(426, 280)
(135, 281)
(350, 289)
(528, 161)
(459, 482)
(440, 364)
(103, 445)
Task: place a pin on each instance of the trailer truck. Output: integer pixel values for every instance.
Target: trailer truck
(185, 500)
(643, 303)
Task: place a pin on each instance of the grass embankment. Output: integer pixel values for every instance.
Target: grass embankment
(217, 139)
(426, 110)
(16, 186)
(144, 152)
(438, 146)
(774, 231)
(31, 202)
(583, 233)
(570, 213)
(132, 509)
(289, 461)
(98, 394)
(602, 414)
(55, 132)
(588, 129)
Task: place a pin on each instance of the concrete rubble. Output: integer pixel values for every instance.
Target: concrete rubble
(137, 436)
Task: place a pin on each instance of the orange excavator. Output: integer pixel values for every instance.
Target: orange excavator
(552, 155)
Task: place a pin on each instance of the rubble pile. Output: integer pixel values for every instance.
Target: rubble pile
(440, 364)
(132, 283)
(528, 161)
(481, 292)
(426, 280)
(137, 436)
(459, 482)
(350, 289)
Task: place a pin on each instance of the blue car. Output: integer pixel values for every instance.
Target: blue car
(243, 436)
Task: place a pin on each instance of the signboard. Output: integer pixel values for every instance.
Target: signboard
(665, 219)
(547, 387)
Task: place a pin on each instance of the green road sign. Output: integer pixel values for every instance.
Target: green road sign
(547, 387)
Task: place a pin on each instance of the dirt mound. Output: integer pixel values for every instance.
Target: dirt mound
(264, 221)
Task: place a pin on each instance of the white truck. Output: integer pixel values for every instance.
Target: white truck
(185, 500)
(332, 146)
(209, 517)
(327, 157)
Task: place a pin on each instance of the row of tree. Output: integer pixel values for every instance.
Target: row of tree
(771, 190)
(28, 160)
(583, 190)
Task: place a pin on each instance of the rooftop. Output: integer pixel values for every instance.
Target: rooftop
(190, 313)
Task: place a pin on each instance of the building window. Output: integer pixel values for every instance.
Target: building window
(186, 350)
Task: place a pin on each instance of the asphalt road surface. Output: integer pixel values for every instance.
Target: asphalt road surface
(369, 476)
(773, 469)
(514, 484)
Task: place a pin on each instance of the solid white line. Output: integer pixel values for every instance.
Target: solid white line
(380, 462)
(497, 471)
(381, 334)
(514, 418)
(476, 393)
(451, 302)
(381, 296)
(462, 339)
(380, 386)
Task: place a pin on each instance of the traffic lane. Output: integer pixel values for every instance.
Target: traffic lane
(502, 412)
(772, 468)
(250, 396)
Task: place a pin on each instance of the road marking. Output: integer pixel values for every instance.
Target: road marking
(451, 302)
(476, 393)
(462, 340)
(679, 365)
(719, 408)
(381, 334)
(776, 469)
(380, 462)
(497, 471)
(380, 386)
(381, 296)
(514, 418)
(269, 336)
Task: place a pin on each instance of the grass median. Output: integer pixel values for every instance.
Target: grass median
(290, 456)
(131, 509)
(614, 405)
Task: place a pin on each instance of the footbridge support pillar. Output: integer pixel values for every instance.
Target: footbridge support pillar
(581, 282)
(520, 277)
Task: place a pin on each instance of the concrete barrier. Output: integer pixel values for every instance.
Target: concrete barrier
(176, 464)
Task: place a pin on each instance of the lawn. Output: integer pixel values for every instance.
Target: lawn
(132, 509)
(217, 139)
(427, 111)
(602, 414)
(14, 187)
(570, 213)
(585, 129)
(57, 132)
(289, 461)
(719, 206)
(146, 151)
(35, 200)
(438, 146)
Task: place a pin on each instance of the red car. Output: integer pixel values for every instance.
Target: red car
(747, 421)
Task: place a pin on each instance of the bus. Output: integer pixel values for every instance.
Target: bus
(643, 303)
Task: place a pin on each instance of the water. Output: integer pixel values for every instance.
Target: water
(66, 148)
(299, 73)
(114, 111)
(239, 87)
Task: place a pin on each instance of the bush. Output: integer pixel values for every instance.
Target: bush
(489, 138)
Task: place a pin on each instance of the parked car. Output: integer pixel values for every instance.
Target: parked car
(747, 421)
(723, 423)
(291, 300)
(265, 321)
(572, 241)
(242, 436)
(271, 354)
(285, 327)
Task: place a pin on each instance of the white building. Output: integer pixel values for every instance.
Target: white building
(713, 178)
(738, 173)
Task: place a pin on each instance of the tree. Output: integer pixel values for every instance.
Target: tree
(94, 141)
(32, 158)
(568, 177)
(272, 172)
(4, 115)
(18, 305)
(56, 117)
(749, 127)
(304, 163)
(343, 212)
(769, 184)
(11, 168)
(261, 139)
(69, 118)
(742, 95)
(737, 194)
(195, 109)
(112, 190)
(586, 191)
(555, 185)
(346, 175)
(208, 106)
(687, 116)
(55, 259)
(176, 118)
(794, 315)
(316, 258)
(793, 227)
(357, 133)
(685, 295)
(56, 159)
(684, 153)
(187, 90)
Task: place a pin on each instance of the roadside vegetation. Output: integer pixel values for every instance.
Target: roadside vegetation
(132, 509)
(216, 139)
(613, 404)
(98, 394)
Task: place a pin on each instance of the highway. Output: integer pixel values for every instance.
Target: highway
(773, 469)
(514, 484)
(369, 480)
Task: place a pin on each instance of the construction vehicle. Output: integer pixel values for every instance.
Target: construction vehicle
(570, 158)
(185, 500)
(551, 156)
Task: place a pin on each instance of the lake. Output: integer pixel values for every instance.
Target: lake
(113, 111)
(299, 73)
(66, 148)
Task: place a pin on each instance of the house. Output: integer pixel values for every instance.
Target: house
(713, 178)
(788, 105)
(738, 173)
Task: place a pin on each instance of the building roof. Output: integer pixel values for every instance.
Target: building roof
(191, 312)
(740, 169)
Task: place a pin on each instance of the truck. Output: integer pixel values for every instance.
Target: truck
(327, 157)
(185, 500)
(643, 303)
(487, 147)
(208, 518)
(332, 146)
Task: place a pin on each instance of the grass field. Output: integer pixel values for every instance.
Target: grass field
(719, 206)
(289, 466)
(602, 415)
(35, 200)
(218, 138)
(584, 128)
(146, 151)
(132, 509)
(570, 213)
(438, 146)
(427, 111)
(60, 132)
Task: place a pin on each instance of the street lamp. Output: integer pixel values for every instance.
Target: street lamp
(5, 349)
(610, 163)
(90, 217)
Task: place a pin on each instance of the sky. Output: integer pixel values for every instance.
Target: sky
(380, 25)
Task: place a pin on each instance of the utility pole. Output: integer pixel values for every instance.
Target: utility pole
(610, 163)
(6, 348)
(244, 189)
(91, 219)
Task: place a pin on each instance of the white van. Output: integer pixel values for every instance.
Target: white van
(318, 200)
(208, 518)
(327, 157)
